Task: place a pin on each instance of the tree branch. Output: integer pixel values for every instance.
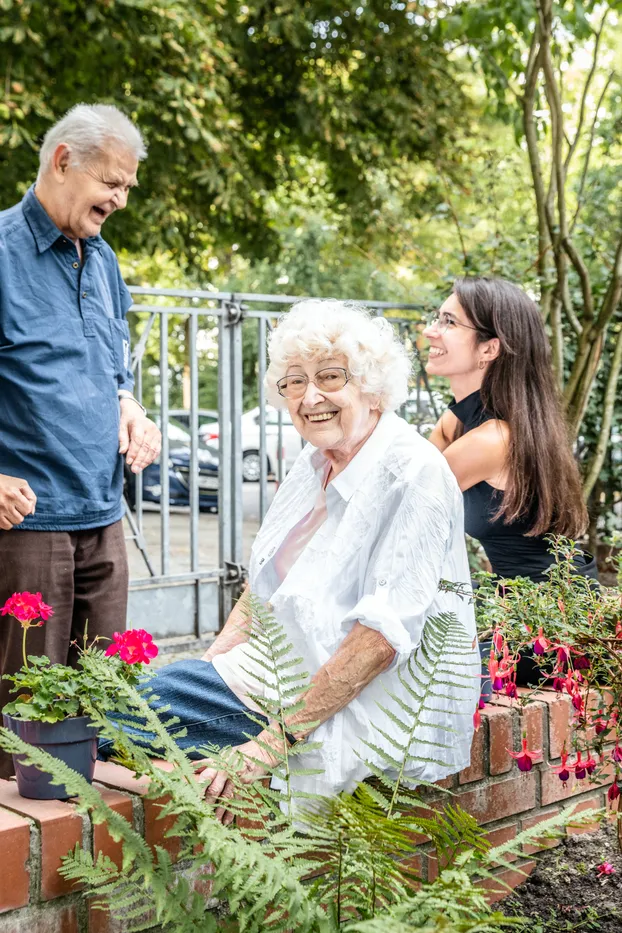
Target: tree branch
(586, 87)
(588, 151)
(597, 460)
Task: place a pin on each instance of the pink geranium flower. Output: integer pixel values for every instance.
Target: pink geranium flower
(134, 646)
(26, 607)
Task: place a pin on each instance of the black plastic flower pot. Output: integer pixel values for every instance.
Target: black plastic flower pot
(73, 741)
(484, 651)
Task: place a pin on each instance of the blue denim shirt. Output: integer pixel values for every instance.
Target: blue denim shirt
(64, 352)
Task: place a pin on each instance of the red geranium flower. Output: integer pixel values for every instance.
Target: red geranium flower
(134, 646)
(26, 607)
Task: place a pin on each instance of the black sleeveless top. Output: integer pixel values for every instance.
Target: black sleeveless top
(510, 552)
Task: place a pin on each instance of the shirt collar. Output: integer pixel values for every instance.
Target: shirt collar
(43, 228)
(348, 481)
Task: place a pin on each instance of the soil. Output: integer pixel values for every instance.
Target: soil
(564, 892)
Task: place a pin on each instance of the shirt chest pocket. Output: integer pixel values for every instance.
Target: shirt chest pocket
(120, 347)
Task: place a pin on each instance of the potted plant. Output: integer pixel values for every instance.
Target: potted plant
(53, 702)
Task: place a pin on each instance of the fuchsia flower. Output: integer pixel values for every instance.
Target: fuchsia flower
(477, 719)
(498, 641)
(134, 646)
(524, 757)
(541, 644)
(481, 703)
(614, 791)
(579, 768)
(563, 771)
(511, 690)
(600, 724)
(26, 607)
(617, 753)
(590, 764)
(606, 869)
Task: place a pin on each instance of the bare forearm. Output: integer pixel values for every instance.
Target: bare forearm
(235, 630)
(363, 654)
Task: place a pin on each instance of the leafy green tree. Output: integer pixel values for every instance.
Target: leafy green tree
(566, 116)
(229, 96)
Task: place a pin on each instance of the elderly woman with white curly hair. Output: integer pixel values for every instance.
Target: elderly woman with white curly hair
(349, 559)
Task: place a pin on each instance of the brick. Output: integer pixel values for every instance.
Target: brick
(532, 722)
(156, 827)
(60, 828)
(553, 789)
(560, 720)
(496, 889)
(543, 843)
(497, 837)
(102, 840)
(497, 801)
(101, 921)
(596, 802)
(15, 848)
(112, 775)
(501, 738)
(447, 783)
(46, 919)
(477, 769)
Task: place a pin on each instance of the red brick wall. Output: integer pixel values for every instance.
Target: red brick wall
(34, 835)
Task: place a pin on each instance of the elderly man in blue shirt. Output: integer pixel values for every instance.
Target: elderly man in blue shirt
(67, 413)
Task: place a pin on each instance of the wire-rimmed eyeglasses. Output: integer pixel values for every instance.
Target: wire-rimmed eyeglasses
(326, 380)
(442, 321)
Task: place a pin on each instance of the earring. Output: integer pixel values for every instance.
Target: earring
(481, 364)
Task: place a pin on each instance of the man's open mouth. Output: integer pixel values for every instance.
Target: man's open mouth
(100, 211)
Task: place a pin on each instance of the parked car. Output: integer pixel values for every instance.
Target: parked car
(292, 442)
(178, 473)
(205, 416)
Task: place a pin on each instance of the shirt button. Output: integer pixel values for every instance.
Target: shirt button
(261, 561)
(84, 294)
(76, 265)
(382, 582)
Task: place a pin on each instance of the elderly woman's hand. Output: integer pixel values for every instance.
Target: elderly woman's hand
(251, 762)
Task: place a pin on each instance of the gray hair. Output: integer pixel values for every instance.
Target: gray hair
(88, 129)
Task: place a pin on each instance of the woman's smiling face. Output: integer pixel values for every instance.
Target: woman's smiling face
(454, 352)
(331, 420)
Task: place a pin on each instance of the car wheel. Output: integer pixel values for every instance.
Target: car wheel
(251, 466)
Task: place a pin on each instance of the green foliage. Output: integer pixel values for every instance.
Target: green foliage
(230, 97)
(332, 864)
(49, 692)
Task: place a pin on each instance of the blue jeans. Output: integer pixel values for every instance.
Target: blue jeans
(202, 702)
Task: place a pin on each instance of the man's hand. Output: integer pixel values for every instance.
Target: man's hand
(220, 786)
(139, 438)
(16, 500)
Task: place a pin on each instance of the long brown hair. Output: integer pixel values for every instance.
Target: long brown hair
(519, 388)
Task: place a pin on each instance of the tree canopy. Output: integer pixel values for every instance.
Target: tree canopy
(229, 96)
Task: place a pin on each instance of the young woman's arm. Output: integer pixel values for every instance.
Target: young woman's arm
(480, 456)
(443, 432)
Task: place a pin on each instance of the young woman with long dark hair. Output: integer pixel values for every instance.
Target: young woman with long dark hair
(505, 436)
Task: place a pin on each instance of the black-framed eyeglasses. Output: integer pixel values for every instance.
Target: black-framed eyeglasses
(326, 380)
(442, 321)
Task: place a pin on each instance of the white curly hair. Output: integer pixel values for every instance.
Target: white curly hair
(376, 360)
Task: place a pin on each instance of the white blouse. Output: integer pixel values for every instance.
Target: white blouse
(393, 530)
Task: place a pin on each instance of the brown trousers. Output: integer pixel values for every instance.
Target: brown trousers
(83, 575)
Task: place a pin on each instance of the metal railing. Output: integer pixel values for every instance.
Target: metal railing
(201, 598)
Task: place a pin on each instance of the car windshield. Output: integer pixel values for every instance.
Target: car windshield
(179, 438)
